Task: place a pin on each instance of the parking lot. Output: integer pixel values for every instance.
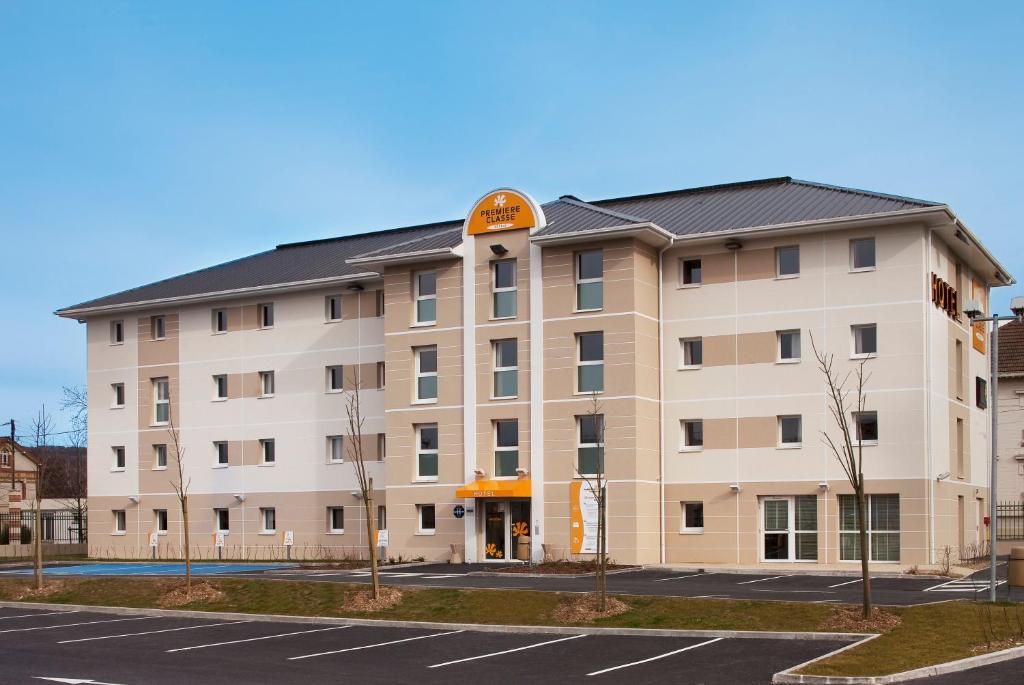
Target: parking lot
(113, 649)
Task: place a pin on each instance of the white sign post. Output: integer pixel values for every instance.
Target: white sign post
(382, 538)
(289, 540)
(218, 542)
(154, 541)
(588, 509)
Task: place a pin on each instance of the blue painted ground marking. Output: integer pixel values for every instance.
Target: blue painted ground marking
(146, 569)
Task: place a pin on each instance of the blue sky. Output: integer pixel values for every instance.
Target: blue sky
(138, 141)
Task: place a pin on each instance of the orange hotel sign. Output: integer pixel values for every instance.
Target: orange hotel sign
(501, 210)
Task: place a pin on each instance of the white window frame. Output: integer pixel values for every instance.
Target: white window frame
(265, 513)
(161, 529)
(216, 317)
(779, 359)
(855, 329)
(331, 529)
(265, 312)
(684, 445)
(682, 272)
(335, 372)
(117, 332)
(379, 303)
(576, 262)
(420, 530)
(685, 352)
(217, 528)
(217, 397)
(495, 290)
(684, 527)
(118, 390)
(158, 327)
(427, 451)
(382, 446)
(592, 362)
(417, 352)
(268, 445)
(496, 448)
(856, 427)
(267, 381)
(157, 452)
(119, 458)
(217, 463)
(874, 249)
(382, 375)
(159, 383)
(792, 531)
(335, 449)
(790, 445)
(120, 522)
(599, 445)
(329, 307)
(855, 532)
(778, 262)
(500, 369)
(419, 297)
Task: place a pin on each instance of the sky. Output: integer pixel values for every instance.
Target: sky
(140, 141)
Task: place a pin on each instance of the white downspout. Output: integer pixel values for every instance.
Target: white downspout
(661, 394)
(928, 399)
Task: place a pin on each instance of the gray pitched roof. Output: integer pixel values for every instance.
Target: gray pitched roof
(682, 212)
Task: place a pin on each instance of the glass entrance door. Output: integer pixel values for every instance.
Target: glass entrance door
(494, 530)
(789, 528)
(776, 529)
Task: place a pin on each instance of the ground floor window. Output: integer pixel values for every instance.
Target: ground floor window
(268, 515)
(693, 517)
(883, 528)
(789, 528)
(335, 519)
(120, 522)
(425, 517)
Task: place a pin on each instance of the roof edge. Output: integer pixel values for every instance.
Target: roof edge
(406, 257)
(699, 189)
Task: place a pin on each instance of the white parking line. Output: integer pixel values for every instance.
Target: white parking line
(254, 639)
(399, 575)
(655, 658)
(445, 575)
(150, 632)
(848, 582)
(48, 613)
(760, 580)
(507, 651)
(71, 625)
(379, 644)
(694, 575)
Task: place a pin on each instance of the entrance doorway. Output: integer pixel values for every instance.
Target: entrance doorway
(789, 528)
(494, 530)
(504, 523)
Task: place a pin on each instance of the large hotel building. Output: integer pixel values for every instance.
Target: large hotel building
(502, 357)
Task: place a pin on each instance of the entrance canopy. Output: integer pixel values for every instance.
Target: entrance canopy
(495, 488)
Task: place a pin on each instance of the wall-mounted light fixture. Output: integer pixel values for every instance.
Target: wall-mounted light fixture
(355, 287)
(240, 498)
(735, 487)
(134, 499)
(823, 486)
(733, 244)
(499, 249)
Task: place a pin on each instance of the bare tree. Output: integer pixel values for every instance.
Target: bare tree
(42, 430)
(354, 448)
(72, 478)
(597, 484)
(845, 402)
(181, 488)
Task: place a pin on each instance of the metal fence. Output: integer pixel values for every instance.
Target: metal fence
(59, 527)
(1010, 520)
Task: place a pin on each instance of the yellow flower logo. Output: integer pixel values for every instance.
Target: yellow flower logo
(519, 529)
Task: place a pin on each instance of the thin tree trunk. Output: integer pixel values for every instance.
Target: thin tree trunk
(188, 546)
(37, 539)
(371, 533)
(864, 551)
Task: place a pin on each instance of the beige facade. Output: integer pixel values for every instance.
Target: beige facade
(475, 366)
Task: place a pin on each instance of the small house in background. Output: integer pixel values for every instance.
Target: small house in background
(19, 472)
(1011, 412)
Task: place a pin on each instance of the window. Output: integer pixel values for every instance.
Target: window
(691, 353)
(268, 515)
(504, 289)
(589, 280)
(267, 454)
(865, 340)
(426, 373)
(117, 332)
(381, 375)
(5, 456)
(118, 392)
(425, 519)
(506, 448)
(693, 517)
(160, 518)
(332, 308)
(335, 519)
(221, 521)
(219, 320)
(380, 303)
(506, 368)
(959, 370)
(961, 471)
(158, 327)
(866, 426)
(883, 528)
(789, 345)
(787, 261)
(161, 400)
(980, 392)
(790, 431)
(220, 387)
(335, 378)
(590, 362)
(120, 522)
(691, 435)
(425, 292)
(220, 450)
(590, 444)
(426, 451)
(382, 446)
(266, 383)
(266, 314)
(160, 456)
(862, 254)
(689, 272)
(119, 459)
(335, 449)
(790, 528)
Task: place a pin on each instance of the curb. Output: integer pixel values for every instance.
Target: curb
(430, 625)
(958, 666)
(499, 574)
(795, 572)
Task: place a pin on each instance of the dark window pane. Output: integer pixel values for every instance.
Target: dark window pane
(428, 360)
(694, 433)
(427, 284)
(507, 433)
(427, 517)
(691, 271)
(789, 260)
(506, 353)
(590, 429)
(591, 347)
(590, 264)
(504, 274)
(790, 430)
(864, 253)
(428, 438)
